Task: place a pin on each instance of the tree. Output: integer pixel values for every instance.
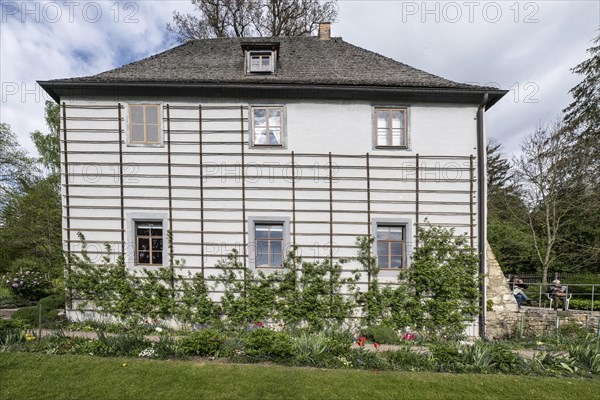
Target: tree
(547, 189)
(582, 116)
(507, 227)
(48, 145)
(30, 212)
(245, 18)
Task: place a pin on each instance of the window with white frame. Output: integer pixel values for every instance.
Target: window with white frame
(391, 127)
(262, 61)
(148, 243)
(267, 126)
(144, 124)
(391, 246)
(268, 245)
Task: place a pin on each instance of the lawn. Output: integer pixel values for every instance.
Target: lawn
(37, 376)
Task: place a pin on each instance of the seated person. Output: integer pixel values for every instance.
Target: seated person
(517, 286)
(557, 293)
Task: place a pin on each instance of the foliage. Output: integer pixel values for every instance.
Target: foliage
(54, 301)
(30, 315)
(159, 293)
(381, 334)
(583, 304)
(30, 284)
(48, 145)
(310, 348)
(313, 298)
(204, 342)
(261, 344)
(8, 298)
(588, 355)
(443, 275)
(229, 18)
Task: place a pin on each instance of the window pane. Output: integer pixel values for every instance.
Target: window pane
(143, 230)
(396, 233)
(383, 262)
(157, 244)
(276, 232)
(143, 244)
(396, 248)
(275, 253)
(274, 117)
(137, 114)
(156, 231)
(382, 248)
(260, 116)
(261, 231)
(152, 133)
(260, 136)
(382, 119)
(383, 232)
(255, 63)
(152, 114)
(137, 133)
(397, 119)
(382, 137)
(266, 63)
(397, 139)
(262, 257)
(157, 257)
(275, 136)
(396, 262)
(143, 257)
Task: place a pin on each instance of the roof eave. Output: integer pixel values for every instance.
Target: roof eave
(59, 89)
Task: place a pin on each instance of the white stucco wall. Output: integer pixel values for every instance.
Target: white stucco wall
(443, 135)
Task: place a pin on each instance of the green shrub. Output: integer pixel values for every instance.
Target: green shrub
(339, 341)
(588, 355)
(30, 315)
(54, 301)
(310, 348)
(126, 345)
(573, 330)
(583, 304)
(204, 342)
(505, 360)
(29, 284)
(381, 334)
(407, 360)
(364, 359)
(264, 343)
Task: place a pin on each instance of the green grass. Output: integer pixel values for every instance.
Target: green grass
(37, 376)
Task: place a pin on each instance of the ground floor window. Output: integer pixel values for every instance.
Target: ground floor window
(269, 245)
(391, 246)
(149, 243)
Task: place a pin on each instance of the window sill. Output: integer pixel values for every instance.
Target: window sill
(391, 148)
(151, 145)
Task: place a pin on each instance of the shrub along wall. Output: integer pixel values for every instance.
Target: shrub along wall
(435, 297)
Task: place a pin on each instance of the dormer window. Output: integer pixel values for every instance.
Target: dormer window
(261, 62)
(260, 57)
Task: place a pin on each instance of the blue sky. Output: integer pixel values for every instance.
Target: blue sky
(526, 47)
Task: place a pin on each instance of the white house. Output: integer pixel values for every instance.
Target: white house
(262, 143)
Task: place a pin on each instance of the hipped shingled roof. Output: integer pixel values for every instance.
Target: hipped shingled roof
(306, 67)
(301, 60)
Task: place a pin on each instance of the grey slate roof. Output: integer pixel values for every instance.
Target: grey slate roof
(302, 60)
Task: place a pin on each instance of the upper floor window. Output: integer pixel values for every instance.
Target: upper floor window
(149, 243)
(390, 126)
(144, 124)
(260, 61)
(267, 124)
(391, 246)
(269, 245)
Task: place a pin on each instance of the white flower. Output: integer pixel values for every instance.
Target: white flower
(158, 329)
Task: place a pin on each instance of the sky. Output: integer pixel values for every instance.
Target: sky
(526, 47)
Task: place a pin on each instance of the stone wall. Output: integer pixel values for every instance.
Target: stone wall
(502, 307)
(505, 319)
(539, 321)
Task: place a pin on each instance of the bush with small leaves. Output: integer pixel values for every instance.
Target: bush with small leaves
(204, 342)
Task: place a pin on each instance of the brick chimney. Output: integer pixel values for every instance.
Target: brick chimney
(325, 31)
